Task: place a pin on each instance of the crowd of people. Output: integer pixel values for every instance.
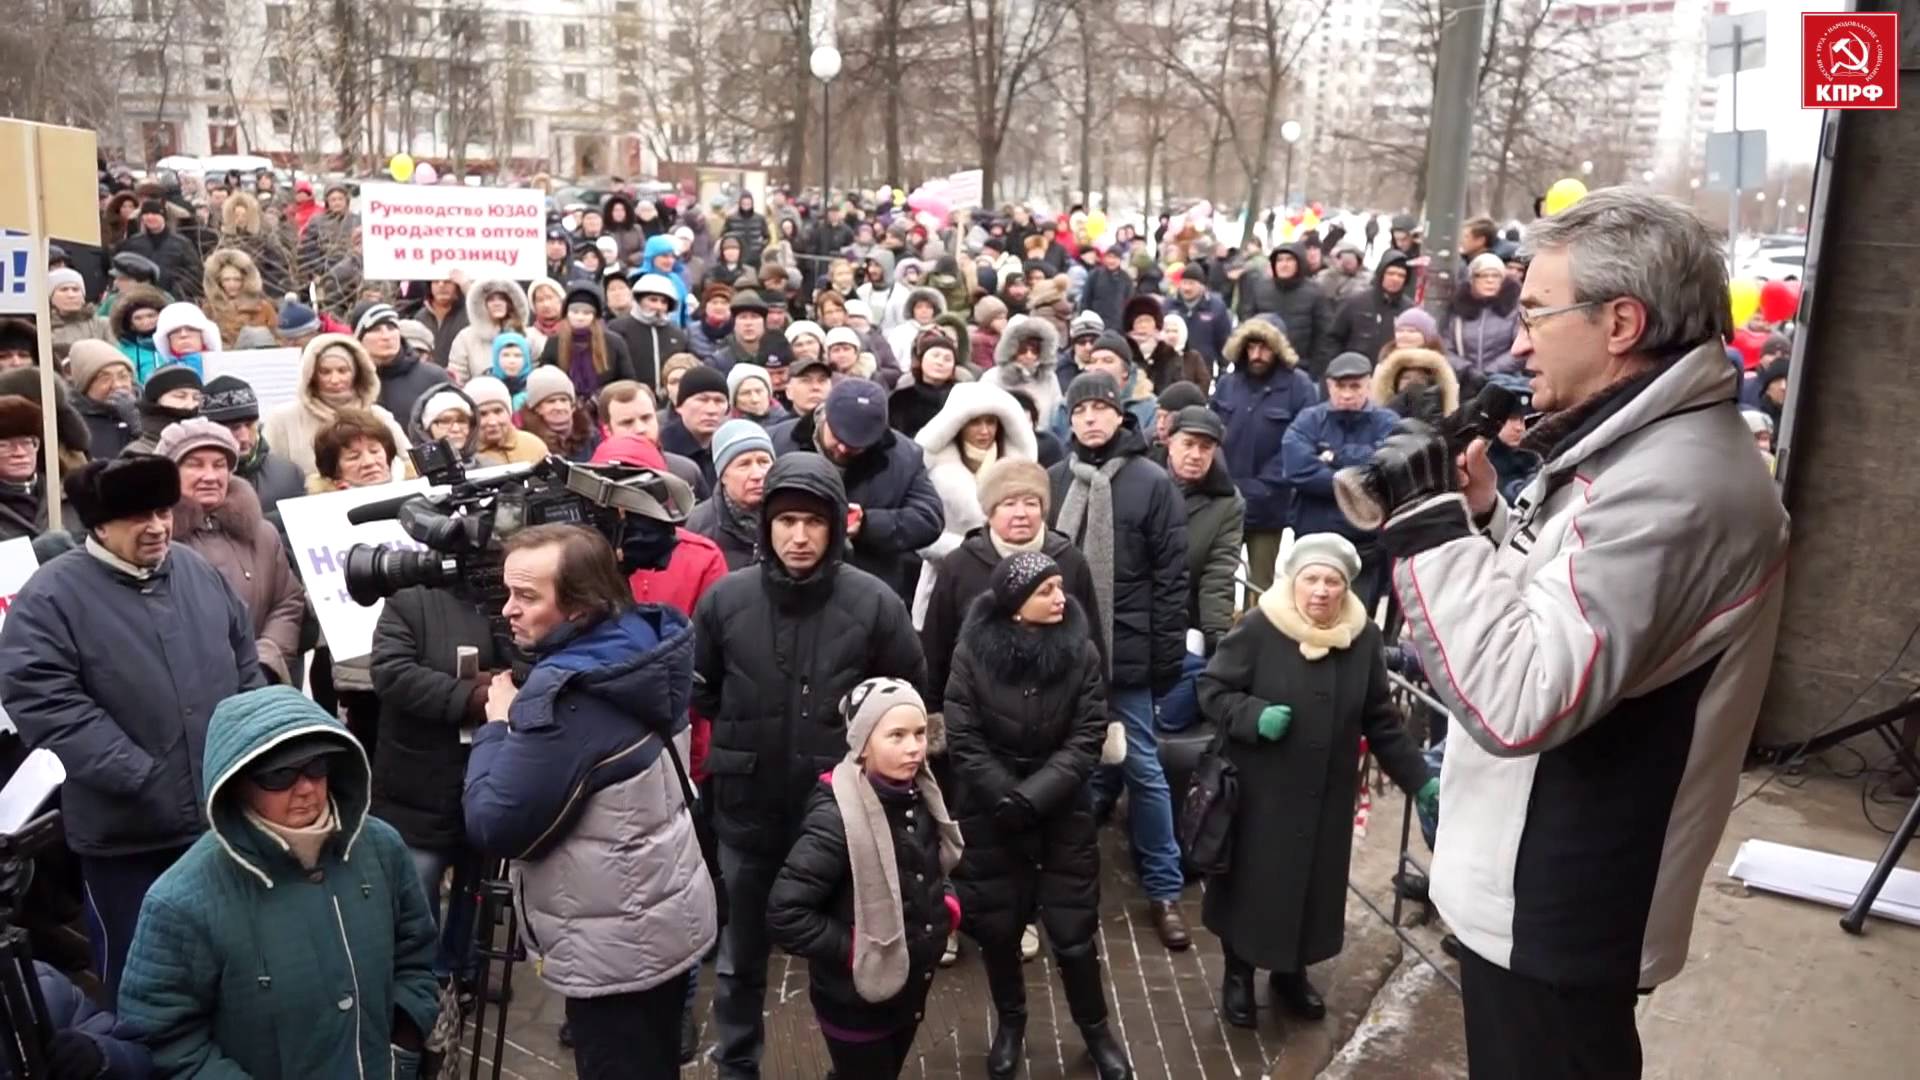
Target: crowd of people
(965, 523)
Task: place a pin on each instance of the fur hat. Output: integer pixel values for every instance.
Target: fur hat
(547, 381)
(184, 437)
(1009, 477)
(75, 439)
(19, 418)
(1017, 576)
(126, 486)
(716, 288)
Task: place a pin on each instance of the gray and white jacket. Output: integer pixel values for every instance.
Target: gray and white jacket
(1604, 658)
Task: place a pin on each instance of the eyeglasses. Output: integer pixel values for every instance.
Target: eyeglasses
(1531, 318)
(314, 768)
(26, 444)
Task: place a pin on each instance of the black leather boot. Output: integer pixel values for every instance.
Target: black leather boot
(1009, 1046)
(1291, 989)
(1109, 1057)
(1236, 997)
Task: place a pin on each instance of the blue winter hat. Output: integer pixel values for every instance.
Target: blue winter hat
(297, 320)
(857, 413)
(509, 337)
(737, 437)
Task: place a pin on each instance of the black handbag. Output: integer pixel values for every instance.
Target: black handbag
(1206, 814)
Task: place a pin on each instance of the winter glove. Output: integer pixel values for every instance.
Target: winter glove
(1412, 466)
(1274, 720)
(1427, 799)
(1014, 814)
(73, 1055)
(1114, 750)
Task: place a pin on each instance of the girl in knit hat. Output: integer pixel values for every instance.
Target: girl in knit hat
(1026, 714)
(864, 895)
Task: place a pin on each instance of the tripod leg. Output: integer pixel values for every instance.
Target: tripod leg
(1856, 917)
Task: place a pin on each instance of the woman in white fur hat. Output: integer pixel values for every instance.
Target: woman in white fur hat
(1293, 688)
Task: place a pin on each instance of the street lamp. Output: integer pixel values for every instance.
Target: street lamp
(1694, 183)
(1586, 168)
(825, 64)
(1647, 177)
(1289, 131)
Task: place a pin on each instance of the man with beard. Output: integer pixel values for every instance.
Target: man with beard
(1123, 512)
(1257, 401)
(649, 329)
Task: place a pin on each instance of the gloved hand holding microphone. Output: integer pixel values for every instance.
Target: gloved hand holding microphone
(1418, 463)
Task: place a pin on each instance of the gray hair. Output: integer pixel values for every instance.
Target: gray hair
(1651, 248)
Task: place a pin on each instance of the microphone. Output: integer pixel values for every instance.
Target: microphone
(384, 510)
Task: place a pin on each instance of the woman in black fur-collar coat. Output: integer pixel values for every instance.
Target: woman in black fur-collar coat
(1026, 713)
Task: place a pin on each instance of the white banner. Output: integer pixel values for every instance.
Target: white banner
(409, 232)
(17, 564)
(16, 297)
(318, 530)
(274, 374)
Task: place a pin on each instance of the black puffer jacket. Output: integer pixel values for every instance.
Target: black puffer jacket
(648, 345)
(900, 510)
(774, 655)
(111, 426)
(1026, 711)
(1302, 307)
(810, 910)
(1149, 560)
(711, 520)
(1365, 322)
(421, 764)
(966, 573)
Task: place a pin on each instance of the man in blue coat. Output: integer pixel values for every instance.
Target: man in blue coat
(1344, 430)
(1257, 402)
(1209, 323)
(113, 657)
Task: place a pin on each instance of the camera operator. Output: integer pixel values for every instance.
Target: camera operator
(1605, 653)
(573, 779)
(87, 1041)
(776, 647)
(114, 657)
(427, 709)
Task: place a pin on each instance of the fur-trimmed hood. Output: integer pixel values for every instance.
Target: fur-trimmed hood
(966, 402)
(1265, 332)
(931, 295)
(417, 419)
(1021, 653)
(250, 286)
(963, 336)
(1315, 642)
(134, 296)
(1138, 305)
(1034, 329)
(1434, 364)
(238, 518)
(240, 214)
(483, 326)
(366, 379)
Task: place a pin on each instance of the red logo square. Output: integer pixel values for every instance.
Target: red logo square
(1849, 61)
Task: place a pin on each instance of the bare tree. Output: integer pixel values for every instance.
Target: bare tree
(1006, 43)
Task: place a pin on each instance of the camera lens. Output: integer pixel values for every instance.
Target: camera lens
(375, 573)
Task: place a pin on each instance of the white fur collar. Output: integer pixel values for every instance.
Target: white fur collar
(1315, 642)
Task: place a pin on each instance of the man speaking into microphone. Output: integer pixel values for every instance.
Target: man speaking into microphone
(1603, 643)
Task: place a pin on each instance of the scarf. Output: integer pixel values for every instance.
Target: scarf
(99, 551)
(1315, 641)
(340, 400)
(549, 327)
(977, 461)
(305, 844)
(1005, 548)
(586, 381)
(880, 962)
(739, 523)
(1090, 501)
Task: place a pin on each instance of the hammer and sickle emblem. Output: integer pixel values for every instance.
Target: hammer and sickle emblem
(1856, 62)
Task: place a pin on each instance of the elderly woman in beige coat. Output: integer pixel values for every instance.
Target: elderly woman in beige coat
(219, 517)
(335, 373)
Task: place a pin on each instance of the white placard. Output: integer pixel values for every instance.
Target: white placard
(318, 530)
(16, 289)
(274, 374)
(30, 789)
(17, 564)
(410, 233)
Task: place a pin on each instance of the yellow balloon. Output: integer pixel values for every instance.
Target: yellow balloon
(401, 167)
(1097, 224)
(1745, 296)
(1564, 193)
(1309, 220)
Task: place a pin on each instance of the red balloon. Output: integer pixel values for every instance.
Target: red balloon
(1779, 300)
(1318, 210)
(1296, 218)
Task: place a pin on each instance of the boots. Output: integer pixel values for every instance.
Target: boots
(1009, 1046)
(1109, 1057)
(1009, 990)
(1236, 995)
(1291, 989)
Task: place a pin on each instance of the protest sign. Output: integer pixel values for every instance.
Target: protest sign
(410, 233)
(319, 534)
(16, 286)
(17, 564)
(274, 374)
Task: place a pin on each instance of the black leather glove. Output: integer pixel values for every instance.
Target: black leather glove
(1014, 814)
(73, 1055)
(1413, 465)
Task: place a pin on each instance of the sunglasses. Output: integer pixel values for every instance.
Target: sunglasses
(281, 779)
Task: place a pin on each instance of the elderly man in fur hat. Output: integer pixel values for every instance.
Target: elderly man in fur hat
(113, 657)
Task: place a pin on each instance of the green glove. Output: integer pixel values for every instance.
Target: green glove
(1274, 720)
(1428, 797)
